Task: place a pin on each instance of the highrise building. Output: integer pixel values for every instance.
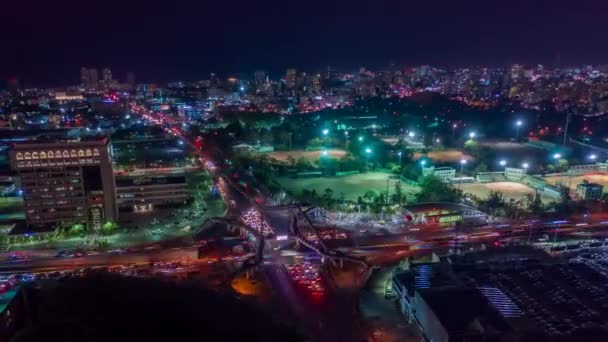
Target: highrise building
(291, 78)
(131, 79)
(259, 76)
(84, 76)
(93, 77)
(107, 75)
(89, 77)
(65, 182)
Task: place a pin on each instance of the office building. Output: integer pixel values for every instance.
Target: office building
(65, 182)
(142, 191)
(291, 78)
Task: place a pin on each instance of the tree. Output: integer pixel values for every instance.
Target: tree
(77, 229)
(481, 167)
(398, 195)
(495, 201)
(327, 197)
(433, 189)
(303, 164)
(109, 228)
(563, 206)
(534, 204)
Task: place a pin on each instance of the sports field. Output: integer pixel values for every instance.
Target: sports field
(351, 186)
(450, 156)
(510, 190)
(283, 156)
(571, 182)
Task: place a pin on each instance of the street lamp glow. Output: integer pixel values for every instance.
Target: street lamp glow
(423, 162)
(368, 150)
(463, 161)
(411, 134)
(324, 153)
(325, 131)
(472, 135)
(438, 140)
(525, 165)
(360, 138)
(399, 154)
(592, 156)
(557, 156)
(519, 123)
(503, 162)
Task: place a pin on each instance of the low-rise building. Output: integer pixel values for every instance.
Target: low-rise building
(446, 174)
(142, 191)
(443, 213)
(589, 191)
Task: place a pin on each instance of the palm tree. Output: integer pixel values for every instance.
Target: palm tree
(327, 197)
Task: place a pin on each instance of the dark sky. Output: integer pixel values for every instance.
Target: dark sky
(45, 42)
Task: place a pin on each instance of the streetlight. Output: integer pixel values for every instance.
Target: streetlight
(324, 153)
(462, 164)
(525, 165)
(411, 134)
(592, 156)
(399, 154)
(325, 132)
(518, 124)
(368, 152)
(503, 163)
(360, 138)
(472, 135)
(557, 156)
(454, 130)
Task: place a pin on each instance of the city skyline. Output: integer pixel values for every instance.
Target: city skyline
(190, 40)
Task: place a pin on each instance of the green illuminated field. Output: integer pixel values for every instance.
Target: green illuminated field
(351, 186)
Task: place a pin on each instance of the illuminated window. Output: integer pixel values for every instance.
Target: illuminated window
(81, 153)
(66, 154)
(95, 152)
(19, 156)
(42, 154)
(50, 154)
(28, 155)
(34, 155)
(73, 154)
(89, 153)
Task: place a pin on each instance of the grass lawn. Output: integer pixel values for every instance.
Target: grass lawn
(351, 186)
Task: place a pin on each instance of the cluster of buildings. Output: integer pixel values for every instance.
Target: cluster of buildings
(583, 89)
(67, 181)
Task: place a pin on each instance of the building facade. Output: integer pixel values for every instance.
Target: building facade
(140, 193)
(446, 174)
(65, 182)
(589, 191)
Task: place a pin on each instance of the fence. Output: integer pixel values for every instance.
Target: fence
(487, 177)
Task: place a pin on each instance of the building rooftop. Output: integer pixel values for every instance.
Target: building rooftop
(424, 207)
(53, 142)
(464, 312)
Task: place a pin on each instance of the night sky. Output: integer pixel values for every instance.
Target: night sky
(46, 42)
